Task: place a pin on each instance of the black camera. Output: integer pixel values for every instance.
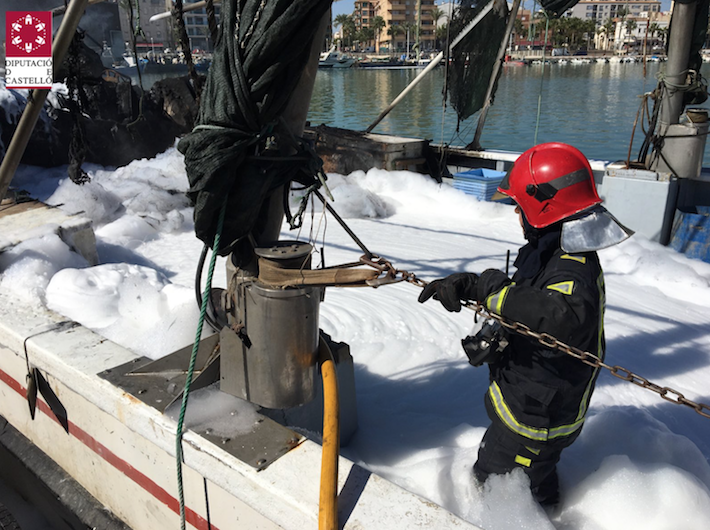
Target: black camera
(486, 345)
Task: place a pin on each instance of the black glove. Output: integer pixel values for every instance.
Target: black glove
(451, 290)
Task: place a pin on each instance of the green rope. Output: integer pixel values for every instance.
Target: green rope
(191, 369)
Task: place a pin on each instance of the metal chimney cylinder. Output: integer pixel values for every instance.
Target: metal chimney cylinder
(684, 145)
(273, 364)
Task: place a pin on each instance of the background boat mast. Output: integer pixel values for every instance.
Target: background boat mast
(419, 30)
(678, 53)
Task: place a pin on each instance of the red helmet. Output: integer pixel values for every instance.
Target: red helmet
(550, 182)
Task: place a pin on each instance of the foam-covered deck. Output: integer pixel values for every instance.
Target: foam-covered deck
(123, 451)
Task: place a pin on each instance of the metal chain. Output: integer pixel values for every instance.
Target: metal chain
(389, 274)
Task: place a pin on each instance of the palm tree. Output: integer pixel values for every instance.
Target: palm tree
(342, 19)
(442, 35)
(408, 27)
(377, 24)
(365, 35)
(518, 28)
(543, 21)
(393, 31)
(609, 29)
(663, 33)
(347, 23)
(436, 14)
(631, 25)
(588, 27)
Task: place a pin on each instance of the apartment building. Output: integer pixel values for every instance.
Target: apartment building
(158, 34)
(401, 18)
(198, 28)
(601, 11)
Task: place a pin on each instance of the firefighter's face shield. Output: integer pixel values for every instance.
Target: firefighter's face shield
(504, 185)
(593, 229)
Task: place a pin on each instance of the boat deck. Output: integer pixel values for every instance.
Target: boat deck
(121, 449)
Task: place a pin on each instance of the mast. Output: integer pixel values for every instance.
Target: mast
(476, 143)
(419, 29)
(677, 64)
(679, 147)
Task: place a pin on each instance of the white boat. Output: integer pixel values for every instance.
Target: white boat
(335, 59)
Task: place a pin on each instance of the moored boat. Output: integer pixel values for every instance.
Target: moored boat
(335, 59)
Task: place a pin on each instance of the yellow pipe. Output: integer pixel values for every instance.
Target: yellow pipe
(328, 507)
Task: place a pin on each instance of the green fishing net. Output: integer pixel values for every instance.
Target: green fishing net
(473, 58)
(233, 154)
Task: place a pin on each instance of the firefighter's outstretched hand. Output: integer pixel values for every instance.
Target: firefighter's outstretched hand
(450, 291)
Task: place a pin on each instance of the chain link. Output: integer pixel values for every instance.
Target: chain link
(545, 339)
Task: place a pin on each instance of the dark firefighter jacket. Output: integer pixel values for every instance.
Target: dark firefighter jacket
(542, 394)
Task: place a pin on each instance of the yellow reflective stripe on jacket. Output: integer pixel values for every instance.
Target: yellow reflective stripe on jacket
(562, 287)
(523, 461)
(495, 301)
(533, 433)
(585, 398)
(602, 301)
(602, 307)
(506, 415)
(581, 259)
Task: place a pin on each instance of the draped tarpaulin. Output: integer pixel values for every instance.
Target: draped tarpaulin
(262, 49)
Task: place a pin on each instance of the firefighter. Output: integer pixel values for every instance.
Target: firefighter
(538, 396)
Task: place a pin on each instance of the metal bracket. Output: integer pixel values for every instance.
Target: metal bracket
(161, 382)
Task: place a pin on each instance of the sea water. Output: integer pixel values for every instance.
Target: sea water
(591, 106)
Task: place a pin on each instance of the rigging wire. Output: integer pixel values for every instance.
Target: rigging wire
(542, 78)
(136, 31)
(445, 88)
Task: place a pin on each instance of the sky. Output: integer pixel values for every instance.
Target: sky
(639, 463)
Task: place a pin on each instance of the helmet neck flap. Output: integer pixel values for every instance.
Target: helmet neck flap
(593, 229)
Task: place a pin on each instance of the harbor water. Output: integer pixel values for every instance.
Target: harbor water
(591, 106)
